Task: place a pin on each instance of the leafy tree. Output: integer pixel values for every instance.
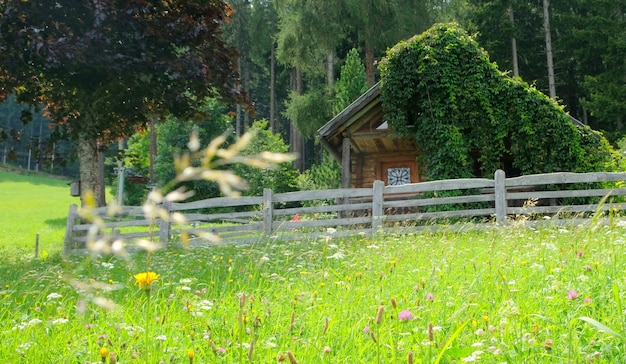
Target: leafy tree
(172, 140)
(470, 119)
(309, 111)
(351, 84)
(102, 68)
(279, 179)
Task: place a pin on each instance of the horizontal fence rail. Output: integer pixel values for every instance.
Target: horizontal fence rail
(350, 211)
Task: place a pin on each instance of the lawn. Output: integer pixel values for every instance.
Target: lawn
(33, 204)
(506, 295)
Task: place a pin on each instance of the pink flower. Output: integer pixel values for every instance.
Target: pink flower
(579, 253)
(366, 330)
(587, 301)
(405, 315)
(430, 297)
(572, 295)
(221, 350)
(296, 218)
(588, 268)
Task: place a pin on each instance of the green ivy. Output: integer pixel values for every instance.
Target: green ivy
(467, 116)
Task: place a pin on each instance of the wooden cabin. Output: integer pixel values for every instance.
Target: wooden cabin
(368, 150)
(360, 138)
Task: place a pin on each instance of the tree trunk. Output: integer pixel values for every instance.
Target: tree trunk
(546, 26)
(273, 124)
(153, 148)
(89, 170)
(513, 44)
(330, 69)
(297, 142)
(369, 64)
(246, 88)
(239, 109)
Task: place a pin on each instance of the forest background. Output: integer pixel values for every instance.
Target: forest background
(303, 61)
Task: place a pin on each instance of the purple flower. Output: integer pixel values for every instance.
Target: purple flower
(221, 350)
(430, 297)
(405, 315)
(572, 295)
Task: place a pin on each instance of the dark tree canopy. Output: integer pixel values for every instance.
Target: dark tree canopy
(116, 59)
(471, 119)
(103, 67)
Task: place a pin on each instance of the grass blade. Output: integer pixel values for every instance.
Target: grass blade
(449, 342)
(601, 327)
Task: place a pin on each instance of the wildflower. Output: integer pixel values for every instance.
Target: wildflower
(579, 253)
(221, 350)
(405, 315)
(326, 349)
(145, 280)
(161, 338)
(53, 296)
(587, 300)
(104, 352)
(572, 294)
(379, 314)
(366, 329)
(292, 358)
(548, 344)
(191, 354)
(430, 297)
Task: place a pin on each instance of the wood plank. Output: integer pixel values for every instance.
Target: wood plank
(322, 194)
(564, 178)
(450, 184)
(560, 209)
(350, 207)
(565, 194)
(118, 224)
(441, 214)
(217, 202)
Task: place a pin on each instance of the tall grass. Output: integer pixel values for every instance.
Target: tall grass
(515, 295)
(33, 204)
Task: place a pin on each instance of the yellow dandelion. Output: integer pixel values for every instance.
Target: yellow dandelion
(145, 279)
(104, 352)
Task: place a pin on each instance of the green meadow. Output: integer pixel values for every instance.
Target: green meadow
(32, 204)
(501, 295)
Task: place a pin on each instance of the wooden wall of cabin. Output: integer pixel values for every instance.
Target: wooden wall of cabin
(367, 168)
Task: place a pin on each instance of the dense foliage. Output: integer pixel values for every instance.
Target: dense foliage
(279, 178)
(470, 119)
(103, 68)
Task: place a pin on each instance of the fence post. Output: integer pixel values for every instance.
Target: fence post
(72, 215)
(500, 196)
(165, 223)
(377, 206)
(268, 211)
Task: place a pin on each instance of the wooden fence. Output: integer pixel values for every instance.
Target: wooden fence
(343, 212)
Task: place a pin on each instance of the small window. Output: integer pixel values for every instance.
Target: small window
(398, 176)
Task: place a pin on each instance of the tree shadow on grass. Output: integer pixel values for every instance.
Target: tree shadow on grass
(56, 223)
